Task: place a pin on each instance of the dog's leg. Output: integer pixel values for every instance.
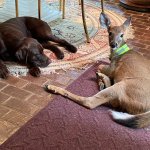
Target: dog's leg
(34, 71)
(42, 32)
(59, 54)
(61, 42)
(3, 70)
(104, 96)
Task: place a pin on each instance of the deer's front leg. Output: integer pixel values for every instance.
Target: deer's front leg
(98, 99)
(103, 81)
(103, 76)
(104, 69)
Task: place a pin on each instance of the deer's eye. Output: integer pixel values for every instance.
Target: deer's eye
(121, 35)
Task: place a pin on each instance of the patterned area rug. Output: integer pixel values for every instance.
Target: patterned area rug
(1, 3)
(71, 29)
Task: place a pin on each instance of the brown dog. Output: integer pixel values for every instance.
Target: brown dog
(130, 72)
(23, 39)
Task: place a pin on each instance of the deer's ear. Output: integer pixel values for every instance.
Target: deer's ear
(127, 23)
(104, 21)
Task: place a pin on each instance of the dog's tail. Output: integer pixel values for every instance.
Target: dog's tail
(133, 121)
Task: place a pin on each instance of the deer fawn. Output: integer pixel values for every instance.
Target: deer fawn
(130, 72)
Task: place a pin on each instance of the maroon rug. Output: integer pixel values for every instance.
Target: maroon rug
(64, 125)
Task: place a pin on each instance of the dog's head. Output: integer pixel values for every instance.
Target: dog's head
(30, 52)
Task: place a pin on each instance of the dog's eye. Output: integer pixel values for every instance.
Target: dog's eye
(110, 33)
(121, 35)
(38, 57)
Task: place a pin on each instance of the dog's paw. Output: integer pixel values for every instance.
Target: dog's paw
(35, 71)
(71, 48)
(3, 71)
(60, 55)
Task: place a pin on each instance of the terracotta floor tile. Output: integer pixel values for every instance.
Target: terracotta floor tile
(36, 89)
(6, 130)
(16, 118)
(36, 80)
(21, 106)
(16, 92)
(15, 81)
(2, 85)
(3, 110)
(40, 101)
(3, 97)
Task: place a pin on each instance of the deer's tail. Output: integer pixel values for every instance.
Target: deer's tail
(134, 121)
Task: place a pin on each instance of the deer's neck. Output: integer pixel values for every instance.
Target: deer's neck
(119, 51)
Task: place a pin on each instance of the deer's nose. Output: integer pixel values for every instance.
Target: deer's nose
(113, 45)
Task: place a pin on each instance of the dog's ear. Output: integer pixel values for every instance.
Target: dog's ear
(21, 53)
(127, 23)
(104, 21)
(2, 45)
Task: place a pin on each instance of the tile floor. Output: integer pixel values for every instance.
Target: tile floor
(21, 98)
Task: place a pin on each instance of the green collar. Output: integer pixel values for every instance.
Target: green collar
(122, 50)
